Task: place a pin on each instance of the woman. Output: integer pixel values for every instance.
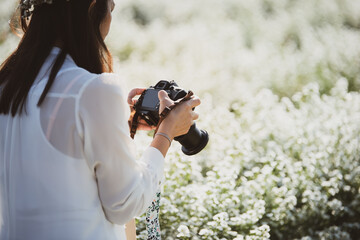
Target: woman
(67, 164)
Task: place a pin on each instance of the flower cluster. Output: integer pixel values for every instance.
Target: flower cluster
(238, 47)
(27, 6)
(280, 167)
(284, 136)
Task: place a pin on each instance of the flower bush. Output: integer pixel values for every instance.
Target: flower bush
(281, 167)
(279, 83)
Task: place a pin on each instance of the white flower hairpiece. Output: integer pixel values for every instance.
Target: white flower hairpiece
(28, 6)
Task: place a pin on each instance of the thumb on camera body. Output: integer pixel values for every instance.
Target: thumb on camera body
(164, 100)
(163, 95)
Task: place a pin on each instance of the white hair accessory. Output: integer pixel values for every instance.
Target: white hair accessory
(27, 6)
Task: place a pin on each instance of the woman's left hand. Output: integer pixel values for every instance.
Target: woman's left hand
(131, 101)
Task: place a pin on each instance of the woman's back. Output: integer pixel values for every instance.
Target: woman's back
(48, 188)
(67, 164)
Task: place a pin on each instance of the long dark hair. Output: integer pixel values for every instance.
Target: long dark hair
(76, 24)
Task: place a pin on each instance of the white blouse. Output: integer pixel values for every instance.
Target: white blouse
(68, 169)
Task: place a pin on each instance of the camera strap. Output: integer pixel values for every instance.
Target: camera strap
(168, 109)
(133, 122)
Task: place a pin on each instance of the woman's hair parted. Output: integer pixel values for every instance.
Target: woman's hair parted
(76, 25)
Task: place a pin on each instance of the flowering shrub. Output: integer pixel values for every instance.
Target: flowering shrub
(285, 168)
(279, 84)
(223, 46)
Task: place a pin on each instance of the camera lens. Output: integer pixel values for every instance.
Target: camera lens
(194, 141)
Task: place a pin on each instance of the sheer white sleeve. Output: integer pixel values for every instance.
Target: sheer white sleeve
(126, 186)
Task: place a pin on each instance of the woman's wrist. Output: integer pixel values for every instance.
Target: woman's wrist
(160, 143)
(163, 135)
(166, 129)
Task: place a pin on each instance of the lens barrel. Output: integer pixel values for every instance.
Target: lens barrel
(193, 141)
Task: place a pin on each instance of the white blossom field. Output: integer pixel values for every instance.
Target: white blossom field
(279, 82)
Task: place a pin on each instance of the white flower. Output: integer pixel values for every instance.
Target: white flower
(205, 232)
(183, 231)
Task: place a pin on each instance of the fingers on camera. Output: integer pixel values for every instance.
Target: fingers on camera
(162, 95)
(130, 101)
(195, 115)
(134, 92)
(194, 102)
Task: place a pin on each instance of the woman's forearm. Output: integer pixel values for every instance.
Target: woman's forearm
(130, 230)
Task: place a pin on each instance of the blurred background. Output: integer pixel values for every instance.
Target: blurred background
(279, 82)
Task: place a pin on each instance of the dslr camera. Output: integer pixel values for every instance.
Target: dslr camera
(147, 107)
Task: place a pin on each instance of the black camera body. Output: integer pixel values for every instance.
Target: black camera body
(147, 107)
(148, 104)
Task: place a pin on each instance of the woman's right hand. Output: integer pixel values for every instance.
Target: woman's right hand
(180, 119)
